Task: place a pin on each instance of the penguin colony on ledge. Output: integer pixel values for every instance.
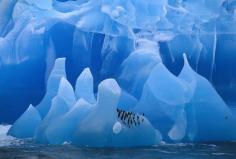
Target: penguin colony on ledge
(130, 118)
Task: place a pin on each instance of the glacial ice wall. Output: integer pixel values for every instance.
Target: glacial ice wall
(172, 109)
(172, 60)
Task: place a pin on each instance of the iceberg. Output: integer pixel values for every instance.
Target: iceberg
(63, 130)
(6, 8)
(87, 122)
(144, 58)
(201, 126)
(58, 108)
(180, 107)
(101, 128)
(163, 99)
(84, 86)
(26, 125)
(118, 73)
(53, 83)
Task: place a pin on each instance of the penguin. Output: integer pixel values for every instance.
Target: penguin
(118, 114)
(122, 116)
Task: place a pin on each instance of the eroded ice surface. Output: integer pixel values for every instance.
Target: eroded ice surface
(84, 123)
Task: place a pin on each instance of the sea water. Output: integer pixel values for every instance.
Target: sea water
(12, 148)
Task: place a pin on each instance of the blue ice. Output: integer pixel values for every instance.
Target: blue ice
(68, 68)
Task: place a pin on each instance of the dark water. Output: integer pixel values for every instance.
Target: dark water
(165, 151)
(11, 148)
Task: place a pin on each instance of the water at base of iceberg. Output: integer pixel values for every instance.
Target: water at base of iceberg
(12, 148)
